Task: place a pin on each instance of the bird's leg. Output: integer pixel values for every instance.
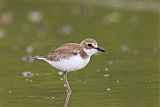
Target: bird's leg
(66, 82)
(67, 99)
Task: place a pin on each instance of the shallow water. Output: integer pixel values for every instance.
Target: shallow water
(125, 76)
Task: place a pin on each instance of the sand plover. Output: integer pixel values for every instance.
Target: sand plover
(71, 57)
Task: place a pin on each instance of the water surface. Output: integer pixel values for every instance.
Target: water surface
(125, 76)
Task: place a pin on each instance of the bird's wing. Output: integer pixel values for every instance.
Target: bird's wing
(63, 51)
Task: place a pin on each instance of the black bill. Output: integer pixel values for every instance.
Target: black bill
(100, 49)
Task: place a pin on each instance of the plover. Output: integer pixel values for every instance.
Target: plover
(71, 57)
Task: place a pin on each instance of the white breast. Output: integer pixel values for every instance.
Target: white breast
(70, 64)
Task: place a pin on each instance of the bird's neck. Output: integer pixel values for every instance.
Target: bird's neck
(83, 54)
(90, 52)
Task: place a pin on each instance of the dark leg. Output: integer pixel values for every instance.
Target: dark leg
(66, 82)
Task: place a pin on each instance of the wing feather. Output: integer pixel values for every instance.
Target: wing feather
(63, 51)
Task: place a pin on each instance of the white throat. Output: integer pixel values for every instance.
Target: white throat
(90, 52)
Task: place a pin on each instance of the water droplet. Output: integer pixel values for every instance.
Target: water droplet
(27, 74)
(47, 98)
(6, 17)
(30, 80)
(108, 89)
(9, 91)
(106, 69)
(28, 58)
(60, 73)
(110, 62)
(112, 18)
(106, 75)
(84, 82)
(124, 48)
(149, 81)
(42, 27)
(117, 81)
(36, 74)
(66, 29)
(35, 16)
(29, 49)
(65, 85)
(27, 79)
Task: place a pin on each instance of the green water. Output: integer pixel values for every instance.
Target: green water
(126, 76)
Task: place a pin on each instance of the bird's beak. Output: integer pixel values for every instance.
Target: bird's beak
(100, 49)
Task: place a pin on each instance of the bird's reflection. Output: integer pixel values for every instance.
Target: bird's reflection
(67, 99)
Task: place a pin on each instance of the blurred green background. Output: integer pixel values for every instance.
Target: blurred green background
(126, 76)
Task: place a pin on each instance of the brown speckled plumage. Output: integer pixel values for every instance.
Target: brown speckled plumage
(65, 51)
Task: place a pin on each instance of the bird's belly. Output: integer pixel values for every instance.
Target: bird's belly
(70, 64)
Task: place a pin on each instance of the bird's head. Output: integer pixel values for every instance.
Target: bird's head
(90, 46)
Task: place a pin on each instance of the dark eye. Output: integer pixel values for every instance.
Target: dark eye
(90, 45)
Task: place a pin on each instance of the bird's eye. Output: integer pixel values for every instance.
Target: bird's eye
(90, 45)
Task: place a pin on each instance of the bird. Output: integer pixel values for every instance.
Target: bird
(71, 57)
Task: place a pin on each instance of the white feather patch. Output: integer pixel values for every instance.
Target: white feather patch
(69, 64)
(90, 52)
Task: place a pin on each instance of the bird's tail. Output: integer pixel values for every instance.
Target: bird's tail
(35, 57)
(38, 57)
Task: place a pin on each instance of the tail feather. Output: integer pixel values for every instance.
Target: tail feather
(39, 57)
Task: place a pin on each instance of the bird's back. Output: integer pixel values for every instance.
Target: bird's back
(65, 51)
